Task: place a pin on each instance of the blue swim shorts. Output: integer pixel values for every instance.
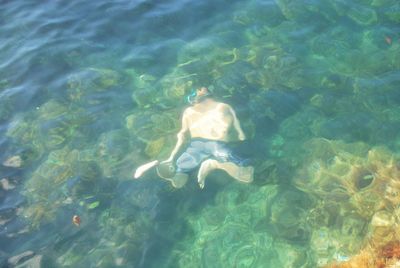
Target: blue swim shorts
(202, 149)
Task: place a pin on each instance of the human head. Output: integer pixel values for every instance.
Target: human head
(198, 95)
(203, 91)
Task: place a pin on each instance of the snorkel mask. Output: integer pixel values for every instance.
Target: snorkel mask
(191, 98)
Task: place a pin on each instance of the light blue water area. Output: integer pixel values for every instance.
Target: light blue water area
(90, 90)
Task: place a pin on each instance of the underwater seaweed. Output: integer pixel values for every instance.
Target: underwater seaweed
(391, 250)
(386, 256)
(360, 187)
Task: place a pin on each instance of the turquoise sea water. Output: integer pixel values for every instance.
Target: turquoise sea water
(90, 90)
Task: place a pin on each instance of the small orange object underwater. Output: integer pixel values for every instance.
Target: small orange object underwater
(76, 220)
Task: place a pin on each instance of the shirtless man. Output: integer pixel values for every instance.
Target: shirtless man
(210, 125)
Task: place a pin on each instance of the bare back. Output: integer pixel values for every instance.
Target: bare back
(209, 120)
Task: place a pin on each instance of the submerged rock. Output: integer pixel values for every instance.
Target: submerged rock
(152, 125)
(6, 107)
(203, 57)
(51, 110)
(114, 152)
(56, 132)
(21, 130)
(356, 188)
(145, 92)
(258, 13)
(6, 184)
(362, 15)
(293, 10)
(87, 84)
(273, 104)
(199, 49)
(47, 180)
(94, 79)
(176, 85)
(154, 147)
(287, 216)
(13, 161)
(393, 12)
(21, 258)
(290, 255)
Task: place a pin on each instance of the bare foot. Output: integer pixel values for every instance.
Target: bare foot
(204, 170)
(201, 184)
(246, 174)
(242, 174)
(143, 168)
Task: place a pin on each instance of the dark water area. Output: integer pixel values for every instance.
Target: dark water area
(90, 90)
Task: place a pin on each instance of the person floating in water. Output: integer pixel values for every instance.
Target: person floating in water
(210, 125)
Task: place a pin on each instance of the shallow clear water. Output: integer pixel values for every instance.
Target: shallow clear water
(90, 90)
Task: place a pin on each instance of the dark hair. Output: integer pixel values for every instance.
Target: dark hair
(193, 98)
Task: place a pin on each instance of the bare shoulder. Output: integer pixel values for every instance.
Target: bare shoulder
(224, 106)
(187, 112)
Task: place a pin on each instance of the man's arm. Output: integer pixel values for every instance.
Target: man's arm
(236, 125)
(181, 137)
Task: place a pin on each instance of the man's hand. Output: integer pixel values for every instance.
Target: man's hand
(236, 125)
(169, 160)
(181, 136)
(143, 168)
(241, 136)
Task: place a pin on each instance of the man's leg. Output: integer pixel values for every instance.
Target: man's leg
(205, 168)
(187, 162)
(243, 174)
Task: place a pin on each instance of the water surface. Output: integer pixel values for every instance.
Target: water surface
(89, 90)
